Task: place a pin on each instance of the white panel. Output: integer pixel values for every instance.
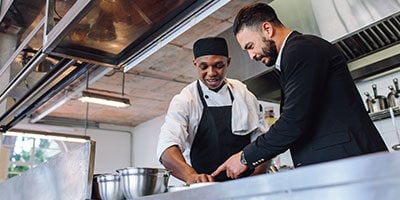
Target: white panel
(145, 143)
(145, 139)
(112, 150)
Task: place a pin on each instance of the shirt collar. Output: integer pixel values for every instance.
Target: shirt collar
(278, 59)
(204, 87)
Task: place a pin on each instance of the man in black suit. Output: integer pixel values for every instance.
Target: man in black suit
(322, 117)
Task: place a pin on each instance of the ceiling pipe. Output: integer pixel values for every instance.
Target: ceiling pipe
(22, 46)
(36, 60)
(37, 88)
(60, 85)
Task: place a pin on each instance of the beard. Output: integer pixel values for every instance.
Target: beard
(268, 51)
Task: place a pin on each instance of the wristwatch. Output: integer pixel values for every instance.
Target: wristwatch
(242, 159)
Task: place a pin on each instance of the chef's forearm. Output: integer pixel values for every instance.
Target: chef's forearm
(173, 161)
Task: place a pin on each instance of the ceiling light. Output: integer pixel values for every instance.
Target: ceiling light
(90, 97)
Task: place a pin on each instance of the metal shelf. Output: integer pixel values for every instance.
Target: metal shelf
(383, 114)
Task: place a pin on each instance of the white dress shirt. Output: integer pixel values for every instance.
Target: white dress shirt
(278, 59)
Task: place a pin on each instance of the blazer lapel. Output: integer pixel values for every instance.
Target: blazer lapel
(281, 73)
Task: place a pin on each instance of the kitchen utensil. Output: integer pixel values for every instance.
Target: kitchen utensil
(396, 85)
(108, 186)
(380, 100)
(137, 182)
(370, 102)
(394, 95)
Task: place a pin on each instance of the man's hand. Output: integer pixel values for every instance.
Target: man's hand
(173, 160)
(199, 178)
(234, 168)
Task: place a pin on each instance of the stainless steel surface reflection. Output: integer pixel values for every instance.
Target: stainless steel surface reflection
(369, 177)
(64, 177)
(113, 25)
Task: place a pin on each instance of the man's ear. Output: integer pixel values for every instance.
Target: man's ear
(228, 61)
(268, 29)
(194, 63)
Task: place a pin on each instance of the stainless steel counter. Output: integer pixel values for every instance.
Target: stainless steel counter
(370, 177)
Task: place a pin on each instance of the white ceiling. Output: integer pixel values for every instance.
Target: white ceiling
(151, 85)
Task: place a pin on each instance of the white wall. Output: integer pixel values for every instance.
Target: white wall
(145, 138)
(112, 150)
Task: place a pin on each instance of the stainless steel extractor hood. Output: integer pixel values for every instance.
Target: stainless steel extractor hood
(366, 31)
(81, 37)
(362, 30)
(109, 32)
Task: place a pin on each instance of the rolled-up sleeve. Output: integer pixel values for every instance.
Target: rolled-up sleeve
(174, 131)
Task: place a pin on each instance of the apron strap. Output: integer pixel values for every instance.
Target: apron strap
(203, 101)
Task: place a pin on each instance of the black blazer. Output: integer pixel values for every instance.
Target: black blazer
(323, 117)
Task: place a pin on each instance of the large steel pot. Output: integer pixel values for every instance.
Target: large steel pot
(137, 182)
(107, 187)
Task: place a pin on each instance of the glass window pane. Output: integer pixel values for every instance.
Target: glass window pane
(22, 149)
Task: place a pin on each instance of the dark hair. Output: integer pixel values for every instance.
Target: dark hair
(253, 15)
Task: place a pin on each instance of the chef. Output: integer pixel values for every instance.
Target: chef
(210, 119)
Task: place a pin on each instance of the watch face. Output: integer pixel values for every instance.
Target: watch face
(242, 159)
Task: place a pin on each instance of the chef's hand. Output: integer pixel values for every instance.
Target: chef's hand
(234, 168)
(199, 178)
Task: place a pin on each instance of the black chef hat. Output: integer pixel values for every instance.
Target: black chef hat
(210, 46)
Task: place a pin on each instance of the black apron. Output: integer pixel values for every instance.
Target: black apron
(214, 142)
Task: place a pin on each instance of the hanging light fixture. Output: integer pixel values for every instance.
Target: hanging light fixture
(99, 98)
(92, 97)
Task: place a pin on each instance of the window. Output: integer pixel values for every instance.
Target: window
(28, 150)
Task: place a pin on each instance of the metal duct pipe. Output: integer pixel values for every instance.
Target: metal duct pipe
(23, 74)
(49, 94)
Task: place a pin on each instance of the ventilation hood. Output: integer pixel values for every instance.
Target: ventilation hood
(366, 31)
(76, 40)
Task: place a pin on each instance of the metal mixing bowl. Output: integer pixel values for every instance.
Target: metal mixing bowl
(137, 182)
(109, 186)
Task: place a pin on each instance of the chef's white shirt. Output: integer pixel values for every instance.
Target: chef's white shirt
(185, 112)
